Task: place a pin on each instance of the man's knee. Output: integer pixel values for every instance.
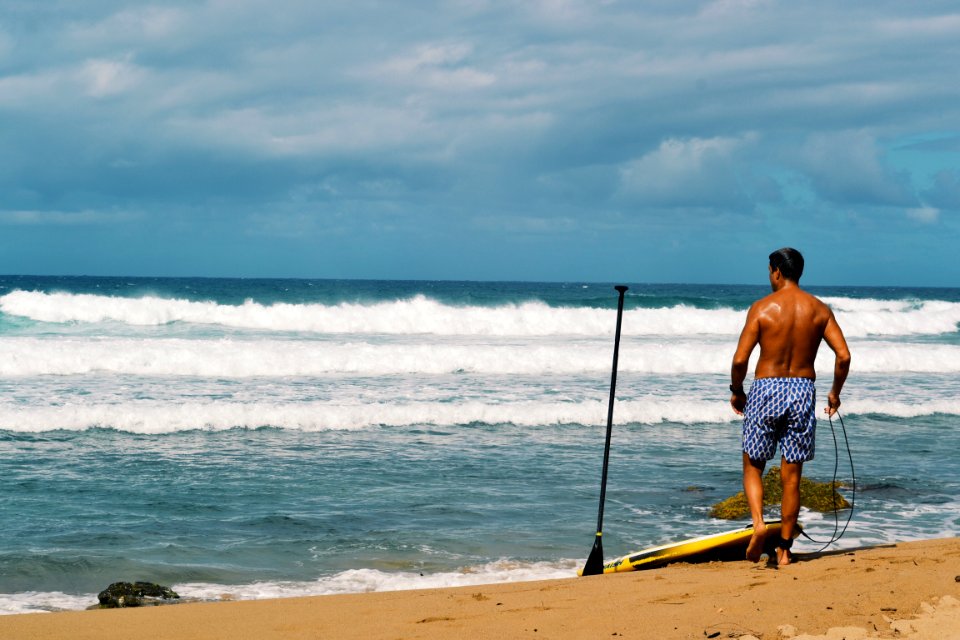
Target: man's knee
(753, 465)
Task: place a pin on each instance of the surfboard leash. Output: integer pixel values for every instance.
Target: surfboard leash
(853, 495)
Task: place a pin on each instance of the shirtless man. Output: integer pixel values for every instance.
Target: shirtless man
(789, 325)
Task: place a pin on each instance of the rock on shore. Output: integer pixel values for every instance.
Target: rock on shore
(136, 594)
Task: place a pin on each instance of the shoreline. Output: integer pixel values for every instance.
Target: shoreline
(869, 588)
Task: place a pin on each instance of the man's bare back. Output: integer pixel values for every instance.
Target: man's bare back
(789, 325)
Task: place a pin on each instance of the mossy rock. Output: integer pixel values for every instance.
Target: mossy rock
(816, 496)
(137, 594)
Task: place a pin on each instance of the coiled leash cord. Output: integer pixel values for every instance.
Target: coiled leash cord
(853, 496)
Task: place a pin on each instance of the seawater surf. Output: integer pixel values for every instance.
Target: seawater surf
(284, 437)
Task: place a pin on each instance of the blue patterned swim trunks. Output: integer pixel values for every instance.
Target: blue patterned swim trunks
(780, 410)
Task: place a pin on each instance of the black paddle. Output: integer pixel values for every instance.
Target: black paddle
(594, 564)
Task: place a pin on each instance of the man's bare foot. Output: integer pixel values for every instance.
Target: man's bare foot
(755, 548)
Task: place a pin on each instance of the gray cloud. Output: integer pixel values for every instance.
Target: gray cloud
(69, 218)
(945, 192)
(848, 167)
(690, 172)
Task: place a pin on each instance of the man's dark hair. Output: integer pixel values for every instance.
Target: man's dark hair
(789, 262)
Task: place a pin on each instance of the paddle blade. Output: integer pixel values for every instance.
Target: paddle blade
(594, 565)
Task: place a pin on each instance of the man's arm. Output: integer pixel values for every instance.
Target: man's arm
(841, 367)
(749, 338)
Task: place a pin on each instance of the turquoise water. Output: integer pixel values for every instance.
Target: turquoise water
(286, 437)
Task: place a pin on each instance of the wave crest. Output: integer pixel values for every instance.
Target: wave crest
(157, 418)
(276, 358)
(422, 315)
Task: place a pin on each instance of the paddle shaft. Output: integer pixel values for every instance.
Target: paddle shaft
(613, 390)
(594, 564)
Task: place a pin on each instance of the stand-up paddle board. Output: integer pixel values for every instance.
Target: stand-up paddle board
(729, 545)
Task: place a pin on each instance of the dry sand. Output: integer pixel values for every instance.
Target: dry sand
(909, 590)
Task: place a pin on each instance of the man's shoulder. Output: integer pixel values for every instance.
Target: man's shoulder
(758, 305)
(814, 300)
(771, 298)
(776, 299)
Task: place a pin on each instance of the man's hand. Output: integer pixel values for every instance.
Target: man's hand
(833, 403)
(738, 401)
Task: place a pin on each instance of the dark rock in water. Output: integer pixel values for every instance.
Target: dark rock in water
(816, 496)
(137, 594)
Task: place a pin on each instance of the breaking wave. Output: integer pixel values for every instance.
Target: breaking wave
(148, 417)
(226, 358)
(422, 315)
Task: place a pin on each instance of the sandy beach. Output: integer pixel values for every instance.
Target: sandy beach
(909, 590)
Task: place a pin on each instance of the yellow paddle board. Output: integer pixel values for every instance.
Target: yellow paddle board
(729, 545)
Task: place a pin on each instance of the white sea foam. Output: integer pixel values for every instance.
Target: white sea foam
(895, 317)
(227, 358)
(368, 580)
(351, 581)
(156, 418)
(870, 527)
(416, 315)
(44, 602)
(238, 359)
(422, 315)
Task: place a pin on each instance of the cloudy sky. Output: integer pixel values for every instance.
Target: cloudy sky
(604, 140)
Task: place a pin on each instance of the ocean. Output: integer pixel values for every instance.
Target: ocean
(261, 438)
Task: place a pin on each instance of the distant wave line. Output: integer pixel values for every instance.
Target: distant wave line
(423, 315)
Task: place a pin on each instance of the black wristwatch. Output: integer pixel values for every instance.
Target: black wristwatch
(736, 389)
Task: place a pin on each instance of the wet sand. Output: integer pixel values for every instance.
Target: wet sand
(909, 590)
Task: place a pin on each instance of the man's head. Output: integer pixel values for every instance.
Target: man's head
(788, 262)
